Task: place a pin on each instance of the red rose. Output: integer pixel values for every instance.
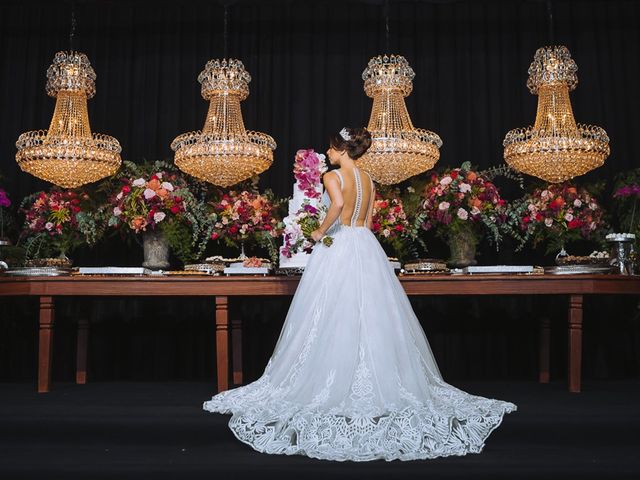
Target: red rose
(526, 220)
(126, 189)
(557, 203)
(175, 209)
(538, 217)
(399, 228)
(215, 235)
(454, 174)
(233, 229)
(573, 224)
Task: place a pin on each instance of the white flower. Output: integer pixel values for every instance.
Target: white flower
(475, 211)
(410, 189)
(577, 203)
(159, 175)
(464, 187)
(116, 211)
(119, 196)
(443, 206)
(225, 220)
(148, 193)
(48, 225)
(545, 194)
(167, 186)
(159, 216)
(139, 182)
(568, 217)
(446, 180)
(463, 214)
(386, 232)
(532, 208)
(593, 206)
(548, 222)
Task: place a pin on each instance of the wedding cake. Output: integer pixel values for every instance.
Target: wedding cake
(306, 200)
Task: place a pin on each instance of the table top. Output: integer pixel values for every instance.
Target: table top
(195, 285)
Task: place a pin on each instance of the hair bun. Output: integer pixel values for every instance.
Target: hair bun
(359, 142)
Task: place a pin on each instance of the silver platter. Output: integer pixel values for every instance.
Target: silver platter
(38, 271)
(577, 269)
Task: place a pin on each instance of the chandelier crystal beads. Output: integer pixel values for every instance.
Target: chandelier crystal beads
(223, 152)
(398, 149)
(556, 148)
(68, 154)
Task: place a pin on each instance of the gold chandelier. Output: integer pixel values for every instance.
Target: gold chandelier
(68, 154)
(556, 148)
(223, 152)
(398, 149)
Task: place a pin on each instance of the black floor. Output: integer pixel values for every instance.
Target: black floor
(159, 431)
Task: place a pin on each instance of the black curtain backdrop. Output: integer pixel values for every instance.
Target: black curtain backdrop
(306, 60)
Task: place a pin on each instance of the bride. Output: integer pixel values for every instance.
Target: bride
(352, 376)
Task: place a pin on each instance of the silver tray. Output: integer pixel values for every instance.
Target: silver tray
(38, 271)
(577, 269)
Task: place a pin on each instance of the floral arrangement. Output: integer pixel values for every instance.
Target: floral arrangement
(463, 201)
(557, 215)
(238, 216)
(308, 168)
(396, 225)
(297, 231)
(5, 203)
(57, 222)
(626, 195)
(156, 196)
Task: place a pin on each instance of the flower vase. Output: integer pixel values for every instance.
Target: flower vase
(462, 246)
(156, 250)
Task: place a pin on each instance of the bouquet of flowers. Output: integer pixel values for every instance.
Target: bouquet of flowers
(238, 216)
(626, 195)
(57, 222)
(297, 233)
(559, 214)
(463, 202)
(156, 197)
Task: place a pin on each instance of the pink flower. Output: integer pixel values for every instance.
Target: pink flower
(577, 203)
(149, 194)
(462, 214)
(159, 216)
(444, 205)
(446, 180)
(117, 211)
(568, 217)
(548, 222)
(139, 182)
(48, 225)
(167, 186)
(464, 187)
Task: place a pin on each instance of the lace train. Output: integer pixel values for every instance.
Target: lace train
(352, 376)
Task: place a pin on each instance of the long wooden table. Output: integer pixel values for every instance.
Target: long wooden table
(574, 287)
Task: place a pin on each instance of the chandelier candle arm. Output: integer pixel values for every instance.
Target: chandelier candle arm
(398, 149)
(68, 154)
(224, 152)
(556, 148)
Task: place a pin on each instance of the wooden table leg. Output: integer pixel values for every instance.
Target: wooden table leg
(236, 350)
(222, 342)
(575, 342)
(81, 351)
(45, 343)
(545, 350)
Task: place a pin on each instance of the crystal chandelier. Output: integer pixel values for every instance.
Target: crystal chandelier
(398, 149)
(556, 148)
(223, 152)
(68, 154)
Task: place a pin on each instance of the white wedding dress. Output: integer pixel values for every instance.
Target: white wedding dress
(352, 376)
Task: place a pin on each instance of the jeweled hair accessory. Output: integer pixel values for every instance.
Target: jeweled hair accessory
(345, 135)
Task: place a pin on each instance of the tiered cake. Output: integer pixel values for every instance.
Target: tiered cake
(307, 199)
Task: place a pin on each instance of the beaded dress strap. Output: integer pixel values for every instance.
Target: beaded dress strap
(356, 208)
(340, 177)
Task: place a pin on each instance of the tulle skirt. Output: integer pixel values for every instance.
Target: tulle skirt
(352, 376)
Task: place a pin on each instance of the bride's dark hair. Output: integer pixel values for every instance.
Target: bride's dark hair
(358, 143)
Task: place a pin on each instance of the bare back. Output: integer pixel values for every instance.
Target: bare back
(357, 189)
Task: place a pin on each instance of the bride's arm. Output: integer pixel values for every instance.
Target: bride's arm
(332, 185)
